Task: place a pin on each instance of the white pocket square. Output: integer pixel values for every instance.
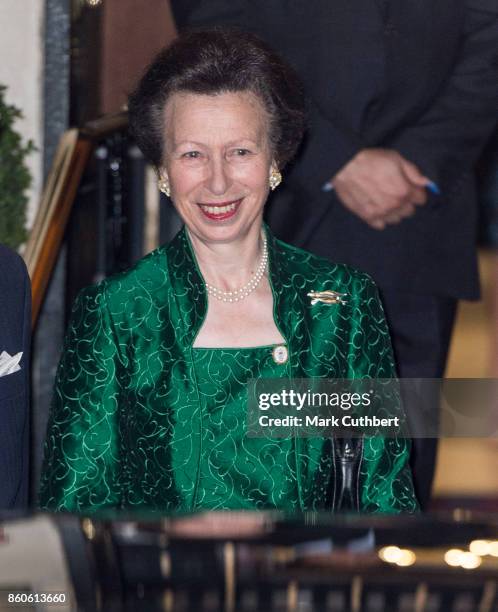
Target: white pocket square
(9, 363)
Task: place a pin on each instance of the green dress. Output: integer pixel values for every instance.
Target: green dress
(237, 471)
(142, 420)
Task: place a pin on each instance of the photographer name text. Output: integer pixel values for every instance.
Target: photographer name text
(333, 421)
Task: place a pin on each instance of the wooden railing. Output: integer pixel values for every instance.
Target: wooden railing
(46, 237)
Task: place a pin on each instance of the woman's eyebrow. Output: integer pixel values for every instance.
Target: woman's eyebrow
(231, 143)
(188, 142)
(245, 139)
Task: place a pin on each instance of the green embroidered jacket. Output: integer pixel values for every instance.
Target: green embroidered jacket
(125, 427)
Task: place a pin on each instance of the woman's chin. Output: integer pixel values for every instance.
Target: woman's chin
(228, 229)
(221, 234)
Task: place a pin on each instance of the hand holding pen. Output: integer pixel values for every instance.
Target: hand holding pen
(381, 187)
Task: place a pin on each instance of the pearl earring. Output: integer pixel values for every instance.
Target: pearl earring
(164, 187)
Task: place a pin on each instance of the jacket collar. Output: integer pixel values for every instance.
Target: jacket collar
(189, 290)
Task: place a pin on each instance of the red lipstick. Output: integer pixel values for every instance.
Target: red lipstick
(221, 210)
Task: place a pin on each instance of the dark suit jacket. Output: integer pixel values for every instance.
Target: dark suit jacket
(418, 76)
(15, 335)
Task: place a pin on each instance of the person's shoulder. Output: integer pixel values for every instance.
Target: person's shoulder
(15, 286)
(12, 263)
(311, 266)
(151, 268)
(145, 276)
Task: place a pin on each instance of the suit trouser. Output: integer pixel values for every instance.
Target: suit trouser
(420, 329)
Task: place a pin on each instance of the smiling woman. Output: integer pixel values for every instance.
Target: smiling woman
(217, 160)
(150, 401)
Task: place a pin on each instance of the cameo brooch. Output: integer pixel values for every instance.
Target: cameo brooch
(327, 297)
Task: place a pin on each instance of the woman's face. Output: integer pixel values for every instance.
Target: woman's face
(217, 161)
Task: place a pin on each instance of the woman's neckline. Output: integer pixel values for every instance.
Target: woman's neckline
(237, 348)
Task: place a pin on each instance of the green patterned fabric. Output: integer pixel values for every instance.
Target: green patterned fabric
(126, 429)
(237, 471)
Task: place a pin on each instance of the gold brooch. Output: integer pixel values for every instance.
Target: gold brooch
(327, 297)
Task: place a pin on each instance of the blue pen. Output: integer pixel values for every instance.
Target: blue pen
(433, 188)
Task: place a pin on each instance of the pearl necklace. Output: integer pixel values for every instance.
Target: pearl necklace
(239, 294)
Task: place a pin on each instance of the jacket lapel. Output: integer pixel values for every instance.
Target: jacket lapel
(187, 287)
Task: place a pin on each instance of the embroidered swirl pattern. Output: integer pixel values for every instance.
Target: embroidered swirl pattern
(141, 420)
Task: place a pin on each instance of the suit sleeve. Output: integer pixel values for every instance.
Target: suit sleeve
(449, 136)
(81, 463)
(386, 484)
(23, 493)
(15, 297)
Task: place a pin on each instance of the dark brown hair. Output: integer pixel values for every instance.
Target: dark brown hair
(213, 61)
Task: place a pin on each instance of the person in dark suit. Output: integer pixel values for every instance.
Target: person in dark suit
(402, 98)
(15, 336)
